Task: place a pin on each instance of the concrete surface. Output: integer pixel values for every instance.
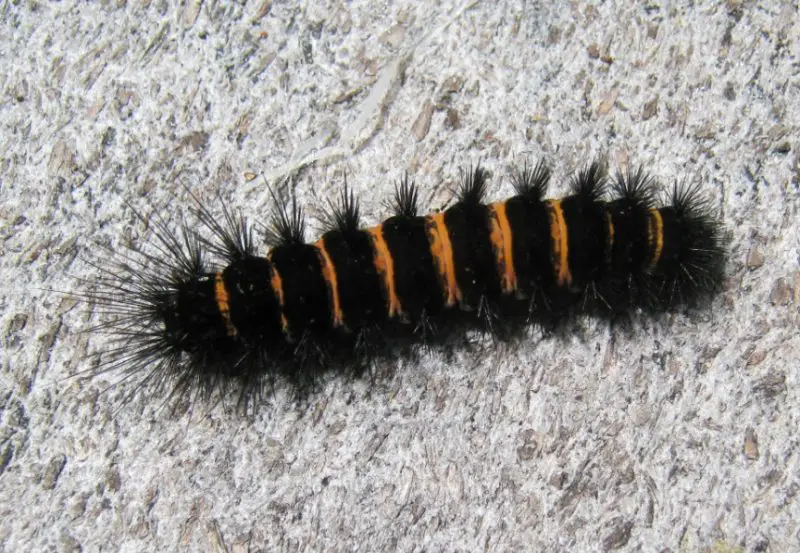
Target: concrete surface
(678, 434)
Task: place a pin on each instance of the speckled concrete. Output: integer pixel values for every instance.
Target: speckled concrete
(677, 434)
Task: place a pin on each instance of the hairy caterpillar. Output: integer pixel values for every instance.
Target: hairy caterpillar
(180, 323)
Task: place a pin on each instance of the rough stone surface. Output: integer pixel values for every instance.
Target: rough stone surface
(677, 434)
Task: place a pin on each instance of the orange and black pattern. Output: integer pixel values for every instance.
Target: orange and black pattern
(525, 258)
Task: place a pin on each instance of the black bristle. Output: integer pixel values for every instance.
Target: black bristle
(344, 214)
(590, 183)
(703, 263)
(531, 182)
(288, 227)
(636, 187)
(139, 306)
(234, 237)
(405, 198)
(177, 255)
(472, 188)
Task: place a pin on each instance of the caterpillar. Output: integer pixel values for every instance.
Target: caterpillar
(181, 322)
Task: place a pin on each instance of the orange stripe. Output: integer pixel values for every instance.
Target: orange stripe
(276, 282)
(501, 238)
(329, 274)
(655, 236)
(609, 231)
(222, 299)
(559, 242)
(384, 264)
(442, 252)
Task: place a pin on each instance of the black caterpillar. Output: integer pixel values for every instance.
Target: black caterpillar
(356, 293)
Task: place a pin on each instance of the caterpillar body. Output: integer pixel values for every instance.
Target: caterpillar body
(181, 323)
